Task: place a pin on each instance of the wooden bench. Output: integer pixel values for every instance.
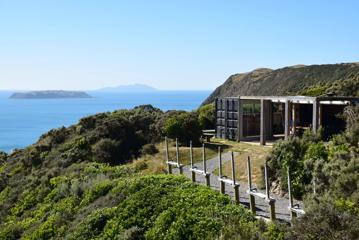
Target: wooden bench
(208, 134)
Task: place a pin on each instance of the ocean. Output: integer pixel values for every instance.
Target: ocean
(23, 121)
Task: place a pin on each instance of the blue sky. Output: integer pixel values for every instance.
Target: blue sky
(172, 45)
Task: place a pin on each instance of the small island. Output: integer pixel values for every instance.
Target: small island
(49, 94)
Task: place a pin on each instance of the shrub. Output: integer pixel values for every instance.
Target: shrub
(149, 149)
(326, 219)
(289, 154)
(10, 231)
(107, 151)
(92, 226)
(183, 126)
(206, 116)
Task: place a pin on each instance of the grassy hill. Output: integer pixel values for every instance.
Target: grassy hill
(343, 79)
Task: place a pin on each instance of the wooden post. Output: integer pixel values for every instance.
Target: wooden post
(204, 158)
(236, 193)
(315, 115)
(216, 118)
(263, 119)
(180, 167)
(207, 176)
(169, 167)
(272, 210)
(252, 201)
(294, 116)
(240, 120)
(271, 202)
(292, 213)
(177, 152)
(249, 174)
(287, 118)
(266, 180)
(222, 184)
(235, 186)
(225, 118)
(191, 159)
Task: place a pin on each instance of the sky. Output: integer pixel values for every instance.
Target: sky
(170, 45)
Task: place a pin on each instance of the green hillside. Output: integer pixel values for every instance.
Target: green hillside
(101, 179)
(314, 80)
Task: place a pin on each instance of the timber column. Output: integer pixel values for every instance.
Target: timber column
(225, 117)
(316, 106)
(240, 120)
(287, 118)
(264, 121)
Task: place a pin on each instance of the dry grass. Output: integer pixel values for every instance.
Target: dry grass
(157, 163)
(184, 153)
(257, 154)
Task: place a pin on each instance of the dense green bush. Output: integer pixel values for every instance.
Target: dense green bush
(183, 126)
(149, 149)
(327, 176)
(327, 218)
(344, 87)
(206, 116)
(107, 151)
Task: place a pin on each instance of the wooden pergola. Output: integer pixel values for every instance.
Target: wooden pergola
(229, 113)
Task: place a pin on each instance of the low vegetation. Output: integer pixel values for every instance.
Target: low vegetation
(326, 176)
(101, 179)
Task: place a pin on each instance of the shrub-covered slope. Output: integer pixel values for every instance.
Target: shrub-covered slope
(343, 79)
(82, 182)
(326, 176)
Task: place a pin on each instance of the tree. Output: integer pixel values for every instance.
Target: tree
(183, 126)
(206, 116)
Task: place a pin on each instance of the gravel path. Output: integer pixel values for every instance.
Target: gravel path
(281, 205)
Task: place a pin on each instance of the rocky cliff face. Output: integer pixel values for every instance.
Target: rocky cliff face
(299, 79)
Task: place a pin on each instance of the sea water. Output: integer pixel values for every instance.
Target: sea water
(22, 121)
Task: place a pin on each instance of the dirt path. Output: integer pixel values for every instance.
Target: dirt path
(281, 205)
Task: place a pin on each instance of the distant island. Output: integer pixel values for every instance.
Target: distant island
(128, 88)
(49, 94)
